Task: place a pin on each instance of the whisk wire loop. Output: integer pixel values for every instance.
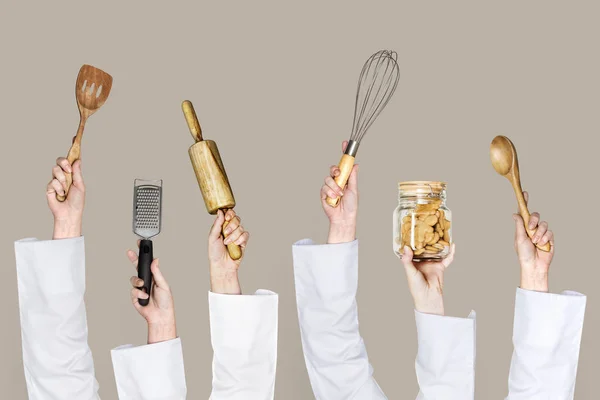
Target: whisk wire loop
(376, 85)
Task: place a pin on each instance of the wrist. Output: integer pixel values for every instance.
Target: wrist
(161, 332)
(341, 232)
(536, 281)
(66, 229)
(225, 283)
(434, 308)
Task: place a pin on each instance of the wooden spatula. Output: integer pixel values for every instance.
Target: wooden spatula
(91, 91)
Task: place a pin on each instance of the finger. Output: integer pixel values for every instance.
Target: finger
(55, 187)
(159, 278)
(133, 257)
(234, 235)
(353, 179)
(331, 184)
(243, 240)
(64, 164)
(77, 175)
(138, 294)
(407, 261)
(215, 230)
(344, 145)
(136, 282)
(232, 225)
(547, 238)
(534, 220)
(59, 175)
(334, 171)
(448, 260)
(229, 215)
(540, 232)
(326, 191)
(520, 233)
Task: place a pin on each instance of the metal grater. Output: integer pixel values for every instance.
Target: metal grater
(147, 207)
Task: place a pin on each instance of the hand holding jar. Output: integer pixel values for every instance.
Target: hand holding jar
(426, 281)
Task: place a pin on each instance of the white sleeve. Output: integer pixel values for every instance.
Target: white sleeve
(243, 332)
(546, 338)
(51, 281)
(336, 358)
(150, 372)
(446, 357)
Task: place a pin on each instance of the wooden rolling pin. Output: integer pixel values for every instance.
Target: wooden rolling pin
(210, 173)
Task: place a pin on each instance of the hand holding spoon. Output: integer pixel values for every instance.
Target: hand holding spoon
(505, 162)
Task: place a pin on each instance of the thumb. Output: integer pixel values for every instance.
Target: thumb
(407, 261)
(77, 175)
(353, 179)
(215, 230)
(520, 233)
(159, 278)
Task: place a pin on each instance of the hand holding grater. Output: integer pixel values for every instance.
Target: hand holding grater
(147, 206)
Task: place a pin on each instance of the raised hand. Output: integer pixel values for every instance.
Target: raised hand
(426, 281)
(535, 263)
(160, 311)
(68, 215)
(223, 269)
(342, 219)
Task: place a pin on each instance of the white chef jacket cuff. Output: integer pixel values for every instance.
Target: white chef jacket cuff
(153, 371)
(67, 258)
(237, 320)
(544, 319)
(446, 343)
(328, 269)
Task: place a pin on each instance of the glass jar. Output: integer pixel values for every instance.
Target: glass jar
(422, 220)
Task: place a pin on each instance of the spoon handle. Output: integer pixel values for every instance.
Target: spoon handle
(524, 211)
(74, 155)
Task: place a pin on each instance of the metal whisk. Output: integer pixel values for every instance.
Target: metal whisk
(376, 85)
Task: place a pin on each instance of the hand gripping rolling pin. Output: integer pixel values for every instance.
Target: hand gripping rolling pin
(210, 173)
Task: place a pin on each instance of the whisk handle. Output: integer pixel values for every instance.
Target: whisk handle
(345, 166)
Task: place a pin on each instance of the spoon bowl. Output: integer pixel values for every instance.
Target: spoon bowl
(502, 154)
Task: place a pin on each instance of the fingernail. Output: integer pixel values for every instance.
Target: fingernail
(227, 241)
(531, 225)
(535, 239)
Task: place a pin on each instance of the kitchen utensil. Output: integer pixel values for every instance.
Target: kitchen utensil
(505, 162)
(376, 85)
(210, 173)
(147, 210)
(91, 91)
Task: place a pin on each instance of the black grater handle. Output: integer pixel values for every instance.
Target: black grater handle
(144, 261)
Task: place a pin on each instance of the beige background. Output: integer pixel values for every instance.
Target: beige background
(273, 84)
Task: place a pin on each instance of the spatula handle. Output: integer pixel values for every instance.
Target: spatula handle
(346, 165)
(144, 273)
(524, 211)
(235, 251)
(74, 155)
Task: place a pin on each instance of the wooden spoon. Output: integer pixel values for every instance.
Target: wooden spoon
(91, 91)
(505, 162)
